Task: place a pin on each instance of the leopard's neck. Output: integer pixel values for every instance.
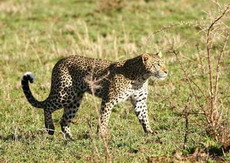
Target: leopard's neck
(134, 70)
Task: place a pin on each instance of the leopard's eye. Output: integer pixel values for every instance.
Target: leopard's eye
(159, 64)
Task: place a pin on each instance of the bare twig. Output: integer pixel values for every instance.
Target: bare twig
(186, 114)
(93, 85)
(226, 10)
(91, 135)
(218, 67)
(200, 59)
(187, 76)
(214, 115)
(208, 49)
(190, 82)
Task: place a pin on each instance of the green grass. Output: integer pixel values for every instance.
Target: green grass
(34, 35)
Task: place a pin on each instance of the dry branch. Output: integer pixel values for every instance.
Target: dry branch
(212, 107)
(93, 85)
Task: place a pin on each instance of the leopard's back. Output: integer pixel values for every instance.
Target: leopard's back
(74, 71)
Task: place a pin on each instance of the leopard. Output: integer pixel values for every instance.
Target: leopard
(112, 82)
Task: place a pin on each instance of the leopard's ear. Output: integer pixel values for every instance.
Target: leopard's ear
(159, 54)
(145, 57)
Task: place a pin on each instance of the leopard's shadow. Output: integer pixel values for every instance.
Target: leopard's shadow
(41, 135)
(25, 136)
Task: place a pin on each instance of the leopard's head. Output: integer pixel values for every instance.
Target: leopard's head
(154, 65)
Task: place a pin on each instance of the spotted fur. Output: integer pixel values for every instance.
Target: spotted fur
(112, 82)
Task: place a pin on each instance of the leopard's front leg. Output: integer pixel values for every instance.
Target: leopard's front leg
(106, 109)
(138, 100)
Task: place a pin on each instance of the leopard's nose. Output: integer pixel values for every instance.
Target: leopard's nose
(165, 70)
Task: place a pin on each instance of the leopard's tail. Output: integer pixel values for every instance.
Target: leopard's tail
(26, 78)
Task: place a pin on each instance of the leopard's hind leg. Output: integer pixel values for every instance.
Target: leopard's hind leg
(70, 111)
(52, 103)
(49, 122)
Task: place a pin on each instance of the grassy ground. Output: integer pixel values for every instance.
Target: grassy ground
(34, 35)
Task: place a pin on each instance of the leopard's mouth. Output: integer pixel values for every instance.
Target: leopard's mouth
(161, 77)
